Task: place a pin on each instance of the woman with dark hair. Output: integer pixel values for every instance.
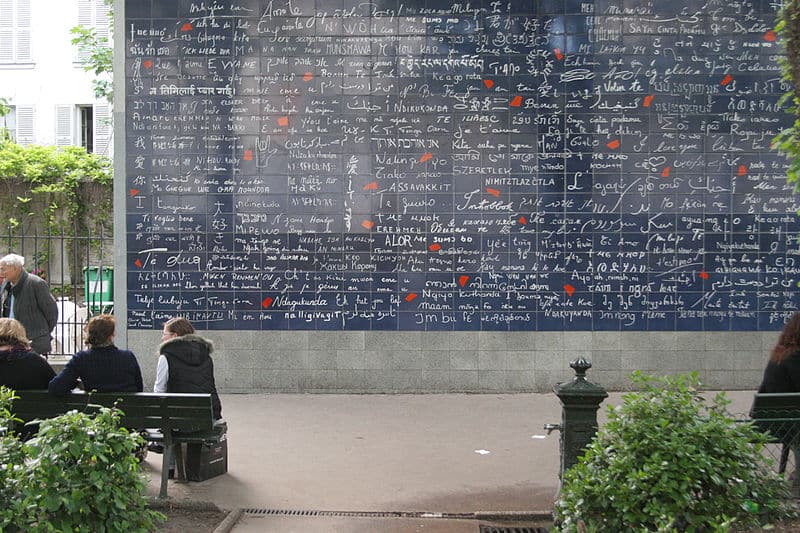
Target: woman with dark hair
(103, 367)
(20, 367)
(184, 362)
(783, 369)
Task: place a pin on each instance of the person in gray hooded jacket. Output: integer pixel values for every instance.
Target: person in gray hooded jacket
(27, 298)
(184, 362)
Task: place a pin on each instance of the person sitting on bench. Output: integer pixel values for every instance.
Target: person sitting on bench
(20, 367)
(185, 365)
(103, 367)
(184, 362)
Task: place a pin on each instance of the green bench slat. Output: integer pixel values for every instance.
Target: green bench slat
(777, 414)
(766, 403)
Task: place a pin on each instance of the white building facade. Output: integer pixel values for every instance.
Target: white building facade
(42, 75)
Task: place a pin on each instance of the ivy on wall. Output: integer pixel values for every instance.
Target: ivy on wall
(788, 141)
(46, 181)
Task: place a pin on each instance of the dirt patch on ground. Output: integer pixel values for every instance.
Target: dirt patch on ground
(185, 517)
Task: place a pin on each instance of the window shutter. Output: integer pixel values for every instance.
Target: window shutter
(23, 46)
(6, 13)
(24, 125)
(85, 12)
(6, 46)
(23, 31)
(24, 14)
(102, 129)
(101, 21)
(6, 31)
(64, 115)
(86, 20)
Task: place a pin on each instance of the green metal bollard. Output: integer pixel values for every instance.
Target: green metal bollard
(580, 400)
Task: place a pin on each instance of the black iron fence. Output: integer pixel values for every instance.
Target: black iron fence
(78, 266)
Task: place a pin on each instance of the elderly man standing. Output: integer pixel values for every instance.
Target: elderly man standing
(27, 298)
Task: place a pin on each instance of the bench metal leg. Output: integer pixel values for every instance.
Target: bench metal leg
(784, 458)
(165, 459)
(796, 478)
(180, 463)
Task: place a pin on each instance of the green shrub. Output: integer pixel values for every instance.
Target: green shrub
(51, 176)
(78, 473)
(668, 460)
(11, 459)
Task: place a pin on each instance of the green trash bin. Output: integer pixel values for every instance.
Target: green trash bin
(99, 289)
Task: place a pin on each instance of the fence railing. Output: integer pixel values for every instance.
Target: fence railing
(78, 266)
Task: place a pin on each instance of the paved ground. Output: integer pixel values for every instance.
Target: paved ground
(451, 454)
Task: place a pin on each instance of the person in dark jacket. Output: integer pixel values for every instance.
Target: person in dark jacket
(184, 362)
(783, 368)
(27, 298)
(103, 367)
(20, 367)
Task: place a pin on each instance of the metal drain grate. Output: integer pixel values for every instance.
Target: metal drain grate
(495, 529)
(295, 512)
(255, 512)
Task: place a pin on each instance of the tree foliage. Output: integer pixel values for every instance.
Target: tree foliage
(99, 56)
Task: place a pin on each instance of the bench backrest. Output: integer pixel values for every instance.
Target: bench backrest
(778, 414)
(182, 412)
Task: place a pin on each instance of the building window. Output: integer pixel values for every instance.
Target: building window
(15, 31)
(8, 125)
(86, 125)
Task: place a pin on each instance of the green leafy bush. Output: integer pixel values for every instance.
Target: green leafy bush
(11, 459)
(78, 473)
(53, 176)
(668, 460)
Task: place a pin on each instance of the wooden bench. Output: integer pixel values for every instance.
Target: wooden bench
(169, 418)
(778, 415)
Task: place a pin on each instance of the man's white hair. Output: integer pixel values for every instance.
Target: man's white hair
(13, 260)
